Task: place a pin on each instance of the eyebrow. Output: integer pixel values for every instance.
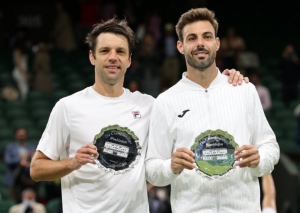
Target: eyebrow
(108, 48)
(208, 32)
(191, 34)
(205, 33)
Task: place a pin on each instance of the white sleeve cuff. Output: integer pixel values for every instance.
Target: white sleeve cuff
(168, 171)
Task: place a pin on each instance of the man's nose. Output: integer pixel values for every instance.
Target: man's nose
(113, 55)
(200, 43)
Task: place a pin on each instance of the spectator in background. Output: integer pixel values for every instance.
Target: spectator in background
(171, 64)
(28, 204)
(154, 25)
(42, 69)
(20, 72)
(158, 197)
(62, 33)
(231, 47)
(141, 30)
(269, 194)
(290, 68)
(9, 93)
(263, 92)
(248, 62)
(149, 65)
(17, 158)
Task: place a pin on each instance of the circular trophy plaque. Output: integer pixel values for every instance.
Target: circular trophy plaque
(214, 154)
(118, 148)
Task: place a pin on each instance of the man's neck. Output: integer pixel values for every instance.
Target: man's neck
(111, 91)
(203, 78)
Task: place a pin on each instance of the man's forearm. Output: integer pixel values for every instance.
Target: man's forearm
(48, 170)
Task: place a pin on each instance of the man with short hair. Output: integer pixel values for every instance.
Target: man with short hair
(209, 140)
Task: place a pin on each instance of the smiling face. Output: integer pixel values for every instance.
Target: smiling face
(199, 45)
(111, 59)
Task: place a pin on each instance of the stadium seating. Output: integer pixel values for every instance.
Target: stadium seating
(53, 205)
(5, 204)
(4, 192)
(6, 133)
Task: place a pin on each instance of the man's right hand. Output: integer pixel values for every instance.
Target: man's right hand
(84, 155)
(182, 158)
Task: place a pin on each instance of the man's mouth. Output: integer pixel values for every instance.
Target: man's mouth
(112, 68)
(200, 53)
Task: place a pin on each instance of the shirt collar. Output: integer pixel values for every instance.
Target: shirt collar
(219, 80)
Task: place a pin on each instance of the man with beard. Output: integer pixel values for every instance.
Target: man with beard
(202, 106)
(96, 139)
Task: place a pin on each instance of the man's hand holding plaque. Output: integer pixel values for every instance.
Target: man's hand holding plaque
(182, 158)
(84, 155)
(248, 156)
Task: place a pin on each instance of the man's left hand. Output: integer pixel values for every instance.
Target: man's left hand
(235, 77)
(247, 156)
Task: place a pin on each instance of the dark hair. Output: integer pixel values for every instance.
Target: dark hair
(193, 15)
(112, 25)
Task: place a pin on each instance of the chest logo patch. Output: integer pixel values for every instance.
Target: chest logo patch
(136, 114)
(183, 113)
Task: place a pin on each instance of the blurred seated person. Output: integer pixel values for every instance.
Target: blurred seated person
(28, 204)
(17, 158)
(263, 92)
(42, 69)
(63, 33)
(232, 45)
(158, 198)
(248, 62)
(9, 93)
(289, 65)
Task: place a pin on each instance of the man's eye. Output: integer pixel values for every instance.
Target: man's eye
(122, 51)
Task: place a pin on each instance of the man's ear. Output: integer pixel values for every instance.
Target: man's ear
(129, 61)
(180, 47)
(92, 57)
(218, 43)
